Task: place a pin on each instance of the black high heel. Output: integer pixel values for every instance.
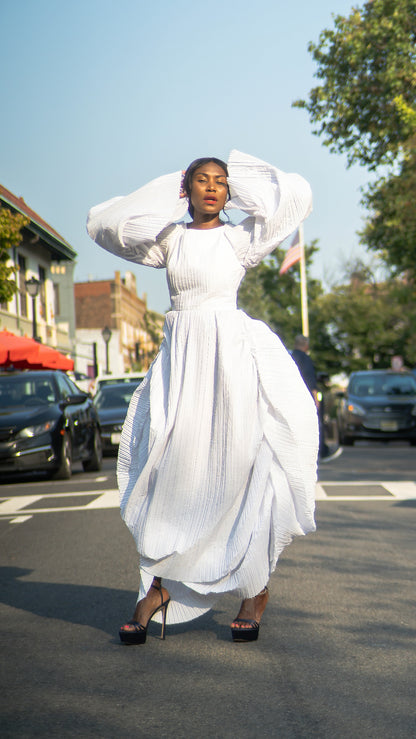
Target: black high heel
(139, 633)
(247, 633)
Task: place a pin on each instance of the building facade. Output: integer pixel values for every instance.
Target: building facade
(42, 255)
(114, 305)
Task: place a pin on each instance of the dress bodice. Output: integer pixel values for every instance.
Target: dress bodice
(202, 269)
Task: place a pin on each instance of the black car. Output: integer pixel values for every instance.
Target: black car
(46, 423)
(378, 404)
(112, 402)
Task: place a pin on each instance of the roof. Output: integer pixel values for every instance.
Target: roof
(60, 249)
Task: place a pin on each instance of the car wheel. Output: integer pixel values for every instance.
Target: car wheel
(64, 470)
(93, 464)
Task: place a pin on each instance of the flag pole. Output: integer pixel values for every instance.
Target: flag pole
(303, 287)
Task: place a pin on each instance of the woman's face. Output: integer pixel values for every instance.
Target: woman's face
(209, 189)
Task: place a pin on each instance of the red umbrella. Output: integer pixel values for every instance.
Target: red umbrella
(25, 353)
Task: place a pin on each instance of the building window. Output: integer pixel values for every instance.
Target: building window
(42, 292)
(22, 286)
(56, 300)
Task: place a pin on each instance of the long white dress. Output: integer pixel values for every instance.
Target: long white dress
(217, 460)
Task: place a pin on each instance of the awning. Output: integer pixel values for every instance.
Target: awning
(25, 353)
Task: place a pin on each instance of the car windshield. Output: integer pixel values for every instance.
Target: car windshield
(24, 390)
(114, 396)
(369, 385)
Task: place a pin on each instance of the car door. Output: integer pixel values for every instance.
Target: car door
(76, 414)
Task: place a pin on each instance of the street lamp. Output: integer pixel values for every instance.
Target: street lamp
(106, 334)
(32, 288)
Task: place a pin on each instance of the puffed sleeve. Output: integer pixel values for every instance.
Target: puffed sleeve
(133, 226)
(275, 201)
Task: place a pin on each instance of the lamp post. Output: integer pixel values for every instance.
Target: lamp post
(106, 334)
(32, 288)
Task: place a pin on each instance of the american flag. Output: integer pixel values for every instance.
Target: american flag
(293, 254)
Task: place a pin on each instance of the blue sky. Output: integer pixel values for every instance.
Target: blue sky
(100, 96)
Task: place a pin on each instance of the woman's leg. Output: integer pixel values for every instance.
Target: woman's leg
(155, 596)
(251, 610)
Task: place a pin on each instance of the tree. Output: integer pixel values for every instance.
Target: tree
(391, 228)
(275, 299)
(11, 225)
(366, 105)
(370, 322)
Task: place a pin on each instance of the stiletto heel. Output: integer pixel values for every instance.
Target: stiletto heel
(163, 610)
(137, 635)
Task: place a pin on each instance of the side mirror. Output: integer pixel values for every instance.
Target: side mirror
(76, 399)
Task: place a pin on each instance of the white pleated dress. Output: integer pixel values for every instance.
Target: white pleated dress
(217, 460)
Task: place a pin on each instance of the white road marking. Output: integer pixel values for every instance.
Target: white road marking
(320, 493)
(109, 499)
(13, 505)
(16, 508)
(20, 519)
(400, 490)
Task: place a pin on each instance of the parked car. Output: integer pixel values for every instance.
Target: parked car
(81, 380)
(127, 377)
(46, 423)
(112, 402)
(378, 404)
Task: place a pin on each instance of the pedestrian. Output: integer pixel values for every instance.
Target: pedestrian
(306, 368)
(217, 459)
(305, 365)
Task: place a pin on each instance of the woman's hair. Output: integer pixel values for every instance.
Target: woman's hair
(187, 180)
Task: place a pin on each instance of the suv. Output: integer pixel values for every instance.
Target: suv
(46, 423)
(102, 380)
(378, 404)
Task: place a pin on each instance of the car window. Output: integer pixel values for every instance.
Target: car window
(26, 390)
(399, 386)
(12, 392)
(369, 385)
(113, 397)
(44, 391)
(363, 386)
(66, 387)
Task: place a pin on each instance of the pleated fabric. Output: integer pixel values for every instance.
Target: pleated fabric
(217, 460)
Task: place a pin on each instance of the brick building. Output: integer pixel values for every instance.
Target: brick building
(115, 304)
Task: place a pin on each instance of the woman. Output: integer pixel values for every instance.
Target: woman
(217, 460)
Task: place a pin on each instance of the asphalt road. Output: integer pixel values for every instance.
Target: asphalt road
(335, 656)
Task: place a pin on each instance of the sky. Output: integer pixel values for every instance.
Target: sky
(100, 96)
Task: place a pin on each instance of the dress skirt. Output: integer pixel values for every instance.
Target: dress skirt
(217, 459)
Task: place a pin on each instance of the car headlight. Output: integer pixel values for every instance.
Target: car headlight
(355, 409)
(30, 431)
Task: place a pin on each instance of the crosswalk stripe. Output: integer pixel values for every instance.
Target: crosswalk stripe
(19, 508)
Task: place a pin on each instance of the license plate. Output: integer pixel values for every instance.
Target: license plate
(389, 425)
(115, 438)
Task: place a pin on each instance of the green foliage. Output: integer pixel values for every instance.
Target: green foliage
(391, 228)
(366, 104)
(370, 322)
(11, 225)
(357, 325)
(274, 298)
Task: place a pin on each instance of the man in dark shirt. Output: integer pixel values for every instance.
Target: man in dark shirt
(305, 365)
(307, 370)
